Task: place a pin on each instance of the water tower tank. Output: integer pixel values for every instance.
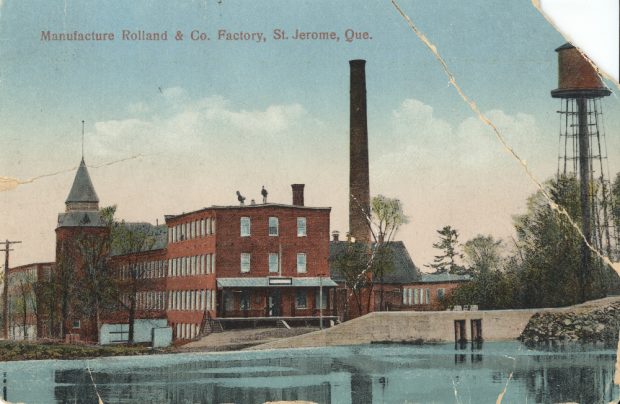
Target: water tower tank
(576, 76)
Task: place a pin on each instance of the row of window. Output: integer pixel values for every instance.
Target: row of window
(186, 330)
(148, 300)
(301, 300)
(274, 263)
(273, 225)
(27, 276)
(145, 269)
(413, 296)
(191, 230)
(195, 265)
(191, 299)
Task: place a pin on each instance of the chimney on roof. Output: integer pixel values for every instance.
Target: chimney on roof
(298, 194)
(359, 188)
(335, 235)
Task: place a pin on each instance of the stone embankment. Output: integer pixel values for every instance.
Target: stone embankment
(593, 324)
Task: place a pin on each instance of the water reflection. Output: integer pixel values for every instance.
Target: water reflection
(367, 374)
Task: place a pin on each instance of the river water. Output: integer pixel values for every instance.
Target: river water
(470, 373)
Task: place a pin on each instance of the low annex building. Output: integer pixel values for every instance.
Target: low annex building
(404, 286)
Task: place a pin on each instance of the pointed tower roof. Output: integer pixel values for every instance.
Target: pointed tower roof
(82, 189)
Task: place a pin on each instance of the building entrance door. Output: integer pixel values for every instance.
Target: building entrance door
(274, 303)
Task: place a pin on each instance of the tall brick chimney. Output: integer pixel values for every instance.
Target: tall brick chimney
(359, 188)
(298, 194)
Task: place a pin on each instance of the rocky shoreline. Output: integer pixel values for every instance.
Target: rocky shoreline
(600, 324)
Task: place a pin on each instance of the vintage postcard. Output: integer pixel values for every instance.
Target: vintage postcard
(224, 201)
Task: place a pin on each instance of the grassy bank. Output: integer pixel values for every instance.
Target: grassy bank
(17, 351)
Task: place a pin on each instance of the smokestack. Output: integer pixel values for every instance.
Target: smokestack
(298, 194)
(359, 188)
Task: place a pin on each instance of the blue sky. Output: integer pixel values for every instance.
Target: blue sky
(214, 117)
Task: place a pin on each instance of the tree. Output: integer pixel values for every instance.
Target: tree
(483, 254)
(550, 248)
(128, 239)
(97, 282)
(448, 243)
(24, 302)
(387, 216)
(352, 264)
(615, 213)
(361, 263)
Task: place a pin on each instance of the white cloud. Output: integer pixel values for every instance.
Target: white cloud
(178, 124)
(457, 173)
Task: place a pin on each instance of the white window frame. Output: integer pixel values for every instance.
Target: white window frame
(246, 259)
(302, 269)
(245, 226)
(302, 230)
(273, 224)
(274, 258)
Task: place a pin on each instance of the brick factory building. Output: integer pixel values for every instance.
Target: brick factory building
(255, 261)
(26, 321)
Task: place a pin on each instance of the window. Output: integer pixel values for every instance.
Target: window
(245, 227)
(301, 227)
(300, 301)
(274, 262)
(228, 301)
(245, 262)
(244, 302)
(428, 296)
(317, 297)
(301, 263)
(76, 323)
(441, 293)
(273, 226)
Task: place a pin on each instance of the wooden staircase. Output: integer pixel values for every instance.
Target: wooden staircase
(209, 325)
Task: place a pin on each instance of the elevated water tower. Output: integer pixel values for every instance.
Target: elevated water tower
(583, 149)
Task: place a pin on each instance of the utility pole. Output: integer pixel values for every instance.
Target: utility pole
(5, 297)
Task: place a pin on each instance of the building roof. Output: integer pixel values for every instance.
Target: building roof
(82, 189)
(269, 282)
(404, 270)
(80, 219)
(249, 206)
(443, 278)
(567, 45)
(159, 234)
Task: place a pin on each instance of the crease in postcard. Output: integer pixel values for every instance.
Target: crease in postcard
(10, 183)
(474, 107)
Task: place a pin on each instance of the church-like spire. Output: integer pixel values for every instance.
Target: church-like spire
(82, 195)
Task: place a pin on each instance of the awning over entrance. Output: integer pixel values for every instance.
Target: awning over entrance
(275, 281)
